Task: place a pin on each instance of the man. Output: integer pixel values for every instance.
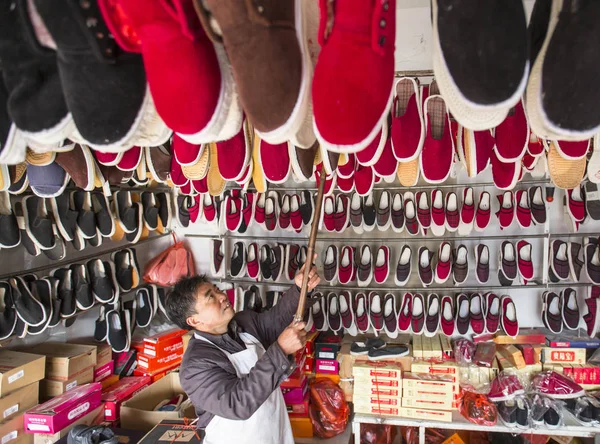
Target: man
(235, 362)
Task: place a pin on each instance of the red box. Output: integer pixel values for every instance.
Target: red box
(155, 376)
(327, 346)
(328, 366)
(114, 395)
(163, 339)
(295, 395)
(527, 352)
(162, 348)
(63, 410)
(309, 364)
(101, 372)
(151, 365)
(299, 410)
(309, 347)
(296, 379)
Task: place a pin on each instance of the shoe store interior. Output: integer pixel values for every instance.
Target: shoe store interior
(299, 221)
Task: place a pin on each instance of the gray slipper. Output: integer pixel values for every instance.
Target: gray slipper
(592, 200)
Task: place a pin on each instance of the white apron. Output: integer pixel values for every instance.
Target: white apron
(269, 424)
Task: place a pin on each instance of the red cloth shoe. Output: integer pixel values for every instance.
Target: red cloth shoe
(185, 153)
(492, 316)
(253, 267)
(191, 85)
(364, 180)
(346, 118)
(438, 213)
(233, 155)
(408, 126)
(275, 161)
(405, 314)
(387, 165)
(505, 174)
(512, 135)
(370, 155)
(346, 171)
(483, 213)
(438, 149)
(329, 213)
(295, 215)
(572, 150)
(382, 264)
(284, 213)
(474, 149)
(447, 321)
(510, 324)
(342, 213)
(444, 263)
(506, 213)
(523, 208)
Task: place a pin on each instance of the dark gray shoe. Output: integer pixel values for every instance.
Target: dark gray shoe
(83, 434)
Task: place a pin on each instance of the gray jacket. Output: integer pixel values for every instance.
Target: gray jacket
(210, 380)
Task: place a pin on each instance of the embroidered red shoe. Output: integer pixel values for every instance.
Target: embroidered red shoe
(418, 314)
(452, 214)
(345, 185)
(329, 213)
(438, 213)
(438, 149)
(512, 135)
(506, 213)
(505, 174)
(191, 85)
(467, 212)
(176, 174)
(405, 314)
(523, 208)
(131, 159)
(408, 126)
(444, 263)
(447, 321)
(347, 119)
(370, 155)
(233, 213)
(209, 208)
(346, 170)
(483, 213)
(382, 264)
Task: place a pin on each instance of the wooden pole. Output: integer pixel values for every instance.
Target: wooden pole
(311, 247)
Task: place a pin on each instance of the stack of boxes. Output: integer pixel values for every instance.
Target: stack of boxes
(327, 347)
(105, 364)
(116, 394)
(295, 391)
(159, 354)
(20, 374)
(436, 347)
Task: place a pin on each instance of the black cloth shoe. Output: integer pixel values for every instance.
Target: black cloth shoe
(145, 307)
(266, 258)
(306, 207)
(480, 58)
(238, 260)
(56, 302)
(100, 281)
(42, 291)
(29, 309)
(369, 213)
(101, 327)
(119, 330)
(94, 69)
(123, 270)
(81, 202)
(151, 209)
(84, 297)
(36, 101)
(125, 211)
(66, 294)
(82, 434)
(10, 235)
(183, 214)
(397, 351)
(277, 261)
(362, 348)
(30, 246)
(103, 215)
(135, 235)
(8, 314)
(37, 222)
(164, 209)
(64, 216)
(59, 251)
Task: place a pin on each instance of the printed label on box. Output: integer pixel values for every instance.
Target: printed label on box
(326, 355)
(71, 385)
(9, 436)
(16, 376)
(9, 411)
(150, 352)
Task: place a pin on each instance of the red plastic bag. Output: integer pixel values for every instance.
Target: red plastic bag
(328, 410)
(378, 434)
(478, 409)
(170, 266)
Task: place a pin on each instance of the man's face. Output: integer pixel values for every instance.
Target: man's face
(213, 310)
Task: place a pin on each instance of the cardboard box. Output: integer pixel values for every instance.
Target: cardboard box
(103, 350)
(299, 410)
(164, 344)
(12, 432)
(63, 360)
(525, 336)
(328, 366)
(94, 417)
(137, 412)
(426, 414)
(186, 340)
(114, 395)
(564, 355)
(364, 369)
(327, 345)
(362, 403)
(156, 365)
(54, 415)
(111, 380)
(19, 401)
(301, 427)
(439, 404)
(377, 410)
(101, 372)
(513, 354)
(309, 347)
(417, 346)
(295, 395)
(51, 388)
(527, 352)
(169, 432)
(436, 368)
(19, 369)
(443, 384)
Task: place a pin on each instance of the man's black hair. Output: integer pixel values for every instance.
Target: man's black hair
(181, 302)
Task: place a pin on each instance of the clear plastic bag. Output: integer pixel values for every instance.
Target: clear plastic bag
(545, 412)
(464, 351)
(328, 410)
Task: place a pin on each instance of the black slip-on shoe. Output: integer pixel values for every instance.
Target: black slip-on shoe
(56, 302)
(237, 266)
(125, 211)
(145, 306)
(119, 330)
(151, 210)
(164, 210)
(126, 270)
(83, 434)
(8, 314)
(59, 251)
(30, 246)
(136, 234)
(10, 236)
(36, 102)
(81, 202)
(66, 294)
(42, 291)
(101, 281)
(103, 214)
(162, 300)
(38, 223)
(81, 287)
(480, 60)
(29, 309)
(64, 216)
(94, 241)
(101, 327)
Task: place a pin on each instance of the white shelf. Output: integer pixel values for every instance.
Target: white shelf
(460, 423)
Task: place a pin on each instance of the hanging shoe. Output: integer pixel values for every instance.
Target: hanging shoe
(570, 309)
(452, 213)
(506, 213)
(342, 213)
(397, 213)
(410, 214)
(330, 264)
(537, 203)
(492, 316)
(467, 213)
(384, 219)
(552, 308)
(361, 312)
(462, 314)
(576, 205)
(509, 321)
(10, 235)
(507, 270)
(404, 266)
(575, 263)
(405, 313)
(417, 314)
(334, 319)
(443, 267)
(408, 126)
(438, 213)
(425, 269)
(477, 314)
(347, 313)
(369, 213)
(512, 135)
(390, 316)
(475, 149)
(432, 318)
(523, 210)
(346, 265)
(591, 256)
(382, 264)
(559, 260)
(447, 319)
(423, 210)
(482, 263)
(438, 150)
(365, 266)
(482, 215)
(356, 213)
(460, 267)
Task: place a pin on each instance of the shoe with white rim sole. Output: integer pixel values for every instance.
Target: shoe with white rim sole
(364, 272)
(559, 260)
(356, 213)
(38, 222)
(460, 267)
(361, 313)
(524, 262)
(467, 213)
(31, 311)
(477, 313)
(592, 316)
(119, 329)
(438, 213)
(41, 289)
(410, 214)
(423, 211)
(482, 263)
(397, 214)
(417, 320)
(347, 313)
(507, 269)
(388, 353)
(369, 213)
(334, 319)
(552, 308)
(405, 313)
(425, 268)
(447, 318)
(463, 321)
(452, 212)
(509, 321)
(330, 265)
(483, 213)
(376, 311)
(382, 264)
(384, 219)
(443, 268)
(390, 316)
(404, 266)
(570, 309)
(432, 318)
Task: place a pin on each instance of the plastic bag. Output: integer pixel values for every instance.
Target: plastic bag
(377, 434)
(478, 409)
(170, 266)
(328, 410)
(464, 350)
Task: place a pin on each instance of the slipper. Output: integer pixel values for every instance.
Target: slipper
(80, 165)
(387, 164)
(235, 153)
(512, 135)
(565, 173)
(364, 179)
(572, 150)
(438, 213)
(438, 149)
(505, 174)
(215, 182)
(131, 159)
(329, 159)
(184, 152)
(474, 149)
(408, 173)
(593, 167)
(275, 161)
(198, 170)
(408, 125)
(18, 178)
(302, 161)
(592, 200)
(107, 159)
(372, 152)
(40, 159)
(575, 204)
(345, 185)
(10, 235)
(38, 222)
(158, 162)
(47, 181)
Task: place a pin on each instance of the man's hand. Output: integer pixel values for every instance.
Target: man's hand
(293, 338)
(313, 278)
